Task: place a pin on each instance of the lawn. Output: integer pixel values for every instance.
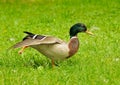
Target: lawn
(96, 63)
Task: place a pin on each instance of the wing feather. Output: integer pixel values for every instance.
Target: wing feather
(31, 42)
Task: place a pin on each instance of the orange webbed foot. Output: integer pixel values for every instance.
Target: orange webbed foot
(21, 51)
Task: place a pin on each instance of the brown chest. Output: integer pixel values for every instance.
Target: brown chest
(73, 46)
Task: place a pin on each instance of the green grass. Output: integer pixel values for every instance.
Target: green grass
(96, 63)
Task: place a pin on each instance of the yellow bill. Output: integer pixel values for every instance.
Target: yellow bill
(88, 32)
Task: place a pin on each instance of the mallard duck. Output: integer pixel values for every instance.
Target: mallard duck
(52, 47)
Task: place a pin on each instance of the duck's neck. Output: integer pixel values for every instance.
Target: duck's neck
(73, 45)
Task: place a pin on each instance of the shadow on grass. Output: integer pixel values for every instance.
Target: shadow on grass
(35, 63)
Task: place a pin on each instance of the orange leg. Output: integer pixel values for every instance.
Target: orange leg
(21, 51)
(53, 63)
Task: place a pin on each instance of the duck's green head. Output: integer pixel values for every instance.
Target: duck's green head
(77, 28)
